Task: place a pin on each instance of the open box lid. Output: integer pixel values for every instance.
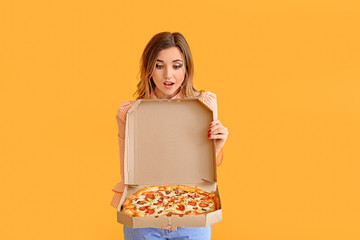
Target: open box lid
(166, 143)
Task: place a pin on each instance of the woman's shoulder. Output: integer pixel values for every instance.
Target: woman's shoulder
(123, 108)
(127, 103)
(208, 95)
(208, 98)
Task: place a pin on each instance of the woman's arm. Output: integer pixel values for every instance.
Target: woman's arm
(219, 157)
(121, 136)
(119, 188)
(219, 133)
(216, 130)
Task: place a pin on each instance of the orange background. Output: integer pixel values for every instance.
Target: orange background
(287, 78)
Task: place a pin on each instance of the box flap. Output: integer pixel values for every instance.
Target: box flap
(166, 142)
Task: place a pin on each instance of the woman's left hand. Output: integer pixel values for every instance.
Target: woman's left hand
(218, 132)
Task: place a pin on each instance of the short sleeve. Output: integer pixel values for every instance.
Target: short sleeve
(209, 99)
(121, 118)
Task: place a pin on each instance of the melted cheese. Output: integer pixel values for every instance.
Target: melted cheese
(172, 206)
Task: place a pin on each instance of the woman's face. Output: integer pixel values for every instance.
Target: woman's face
(169, 72)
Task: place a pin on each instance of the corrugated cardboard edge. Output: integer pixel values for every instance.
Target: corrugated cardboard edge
(127, 139)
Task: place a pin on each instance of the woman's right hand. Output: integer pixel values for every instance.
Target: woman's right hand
(119, 188)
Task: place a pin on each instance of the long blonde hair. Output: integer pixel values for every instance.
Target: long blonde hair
(161, 41)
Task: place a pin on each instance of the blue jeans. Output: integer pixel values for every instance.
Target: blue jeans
(193, 233)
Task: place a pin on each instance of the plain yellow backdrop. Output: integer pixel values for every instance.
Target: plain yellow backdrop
(287, 78)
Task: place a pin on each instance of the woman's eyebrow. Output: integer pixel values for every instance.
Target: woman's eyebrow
(177, 60)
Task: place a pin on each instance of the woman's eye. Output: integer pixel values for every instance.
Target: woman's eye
(175, 66)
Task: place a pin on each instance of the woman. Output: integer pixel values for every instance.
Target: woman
(166, 72)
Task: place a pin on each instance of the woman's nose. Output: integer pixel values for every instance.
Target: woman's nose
(168, 73)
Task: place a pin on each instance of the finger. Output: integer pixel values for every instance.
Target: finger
(213, 123)
(218, 131)
(218, 136)
(212, 129)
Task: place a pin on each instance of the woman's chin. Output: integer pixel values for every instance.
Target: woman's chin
(167, 93)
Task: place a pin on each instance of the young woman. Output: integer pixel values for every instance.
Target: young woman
(166, 72)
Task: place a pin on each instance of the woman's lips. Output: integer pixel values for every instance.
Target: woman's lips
(168, 85)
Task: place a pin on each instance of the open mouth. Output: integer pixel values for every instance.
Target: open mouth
(168, 84)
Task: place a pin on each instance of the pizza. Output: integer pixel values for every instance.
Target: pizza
(170, 200)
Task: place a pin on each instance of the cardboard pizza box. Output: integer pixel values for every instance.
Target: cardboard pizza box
(166, 143)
